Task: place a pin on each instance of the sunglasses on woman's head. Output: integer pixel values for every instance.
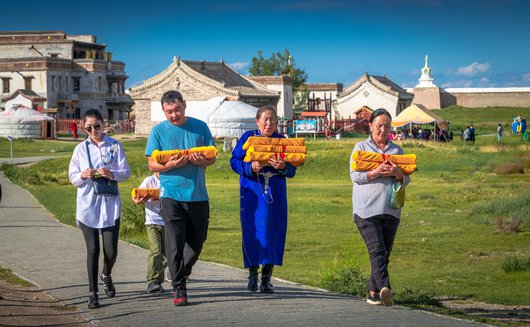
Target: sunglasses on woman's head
(95, 127)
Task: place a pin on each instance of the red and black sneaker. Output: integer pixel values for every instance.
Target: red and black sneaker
(180, 296)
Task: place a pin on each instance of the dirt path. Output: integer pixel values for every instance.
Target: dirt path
(515, 315)
(28, 306)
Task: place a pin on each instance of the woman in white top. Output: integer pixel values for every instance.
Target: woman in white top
(98, 156)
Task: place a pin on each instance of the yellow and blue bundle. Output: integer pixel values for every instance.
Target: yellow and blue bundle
(365, 160)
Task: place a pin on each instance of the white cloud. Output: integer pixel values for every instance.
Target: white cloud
(473, 69)
(239, 66)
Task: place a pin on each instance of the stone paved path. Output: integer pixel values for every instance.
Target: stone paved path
(52, 255)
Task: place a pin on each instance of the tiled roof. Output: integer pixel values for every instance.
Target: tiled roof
(381, 82)
(230, 79)
(214, 75)
(324, 87)
(28, 94)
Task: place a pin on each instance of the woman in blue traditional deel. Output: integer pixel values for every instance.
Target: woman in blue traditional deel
(263, 201)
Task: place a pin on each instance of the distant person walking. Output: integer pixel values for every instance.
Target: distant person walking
(98, 156)
(499, 133)
(472, 133)
(467, 134)
(376, 221)
(73, 129)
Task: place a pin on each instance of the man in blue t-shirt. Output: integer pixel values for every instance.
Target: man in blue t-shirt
(183, 197)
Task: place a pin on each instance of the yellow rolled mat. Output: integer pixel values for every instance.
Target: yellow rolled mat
(163, 157)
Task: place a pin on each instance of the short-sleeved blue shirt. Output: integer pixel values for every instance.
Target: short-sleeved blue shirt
(186, 183)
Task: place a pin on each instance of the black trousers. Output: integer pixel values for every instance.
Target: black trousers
(378, 233)
(186, 231)
(110, 237)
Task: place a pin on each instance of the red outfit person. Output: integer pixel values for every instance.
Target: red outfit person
(73, 128)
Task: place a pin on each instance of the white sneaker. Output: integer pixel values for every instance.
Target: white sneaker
(386, 297)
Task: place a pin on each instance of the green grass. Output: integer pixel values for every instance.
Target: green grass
(485, 121)
(8, 276)
(447, 243)
(512, 264)
(24, 148)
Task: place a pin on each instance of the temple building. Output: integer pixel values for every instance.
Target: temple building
(201, 81)
(373, 92)
(69, 73)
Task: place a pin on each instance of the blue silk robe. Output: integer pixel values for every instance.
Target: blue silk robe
(263, 212)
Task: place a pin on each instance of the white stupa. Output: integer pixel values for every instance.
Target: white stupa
(426, 80)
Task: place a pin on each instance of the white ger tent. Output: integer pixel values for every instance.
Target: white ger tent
(225, 117)
(24, 122)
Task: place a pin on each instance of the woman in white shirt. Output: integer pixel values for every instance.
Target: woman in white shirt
(98, 156)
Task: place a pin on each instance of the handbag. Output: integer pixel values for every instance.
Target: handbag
(102, 185)
(397, 195)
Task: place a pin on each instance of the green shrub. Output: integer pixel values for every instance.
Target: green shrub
(516, 207)
(132, 218)
(416, 297)
(512, 264)
(21, 176)
(347, 280)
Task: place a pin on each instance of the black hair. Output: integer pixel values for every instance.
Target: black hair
(266, 108)
(379, 112)
(93, 113)
(171, 97)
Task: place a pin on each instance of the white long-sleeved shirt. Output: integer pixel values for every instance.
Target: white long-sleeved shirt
(97, 211)
(152, 207)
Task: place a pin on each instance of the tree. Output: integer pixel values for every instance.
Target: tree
(283, 64)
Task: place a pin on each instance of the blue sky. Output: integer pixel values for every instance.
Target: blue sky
(469, 43)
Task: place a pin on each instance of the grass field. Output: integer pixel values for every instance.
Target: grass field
(458, 229)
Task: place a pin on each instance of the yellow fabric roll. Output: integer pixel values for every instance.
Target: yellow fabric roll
(405, 159)
(365, 160)
(359, 165)
(295, 159)
(262, 140)
(162, 157)
(153, 193)
(278, 148)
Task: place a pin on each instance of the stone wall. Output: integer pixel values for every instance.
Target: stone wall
(62, 50)
(492, 99)
(142, 112)
(429, 97)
